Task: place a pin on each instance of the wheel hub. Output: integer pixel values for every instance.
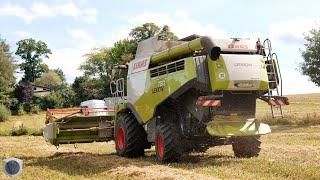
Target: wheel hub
(120, 139)
(160, 146)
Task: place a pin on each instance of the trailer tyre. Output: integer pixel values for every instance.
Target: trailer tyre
(167, 143)
(130, 137)
(246, 147)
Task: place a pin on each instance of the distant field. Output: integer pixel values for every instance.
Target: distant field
(34, 123)
(304, 109)
(291, 151)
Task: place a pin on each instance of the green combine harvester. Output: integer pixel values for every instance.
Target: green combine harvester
(180, 96)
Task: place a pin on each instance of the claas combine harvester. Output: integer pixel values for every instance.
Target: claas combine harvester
(181, 96)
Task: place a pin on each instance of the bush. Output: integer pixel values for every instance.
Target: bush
(35, 132)
(52, 100)
(19, 131)
(21, 110)
(35, 109)
(4, 113)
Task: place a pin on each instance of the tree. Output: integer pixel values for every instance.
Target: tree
(7, 70)
(96, 64)
(61, 74)
(98, 67)
(7, 66)
(145, 31)
(122, 52)
(148, 30)
(311, 56)
(49, 79)
(86, 88)
(166, 34)
(32, 53)
(24, 91)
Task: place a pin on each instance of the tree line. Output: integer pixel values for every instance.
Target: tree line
(94, 84)
(97, 70)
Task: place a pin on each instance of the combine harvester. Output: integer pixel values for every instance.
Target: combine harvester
(180, 96)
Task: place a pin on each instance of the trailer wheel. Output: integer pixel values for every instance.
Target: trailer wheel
(246, 147)
(130, 137)
(167, 143)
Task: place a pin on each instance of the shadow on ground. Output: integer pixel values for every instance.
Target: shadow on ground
(88, 164)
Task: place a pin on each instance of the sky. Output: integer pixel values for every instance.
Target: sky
(72, 28)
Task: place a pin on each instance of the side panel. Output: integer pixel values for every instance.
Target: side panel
(146, 92)
(238, 72)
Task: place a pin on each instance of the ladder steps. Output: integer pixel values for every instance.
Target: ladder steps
(274, 77)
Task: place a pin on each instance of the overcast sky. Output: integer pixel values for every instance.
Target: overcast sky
(72, 28)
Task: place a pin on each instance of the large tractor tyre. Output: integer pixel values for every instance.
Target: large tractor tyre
(168, 148)
(246, 147)
(130, 137)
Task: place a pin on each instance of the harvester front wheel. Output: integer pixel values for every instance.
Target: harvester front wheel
(130, 137)
(167, 143)
(246, 147)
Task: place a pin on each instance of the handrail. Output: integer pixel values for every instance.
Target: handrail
(278, 70)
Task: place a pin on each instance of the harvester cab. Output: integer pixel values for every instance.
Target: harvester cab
(185, 95)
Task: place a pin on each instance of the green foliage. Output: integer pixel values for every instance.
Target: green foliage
(166, 34)
(145, 31)
(21, 110)
(35, 109)
(5, 113)
(34, 132)
(50, 80)
(61, 74)
(122, 52)
(67, 95)
(148, 30)
(86, 88)
(32, 53)
(311, 56)
(53, 100)
(7, 67)
(19, 131)
(96, 64)
(62, 98)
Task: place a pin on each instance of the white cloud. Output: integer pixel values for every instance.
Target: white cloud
(81, 34)
(292, 31)
(179, 22)
(295, 83)
(22, 34)
(15, 10)
(41, 10)
(67, 59)
(253, 35)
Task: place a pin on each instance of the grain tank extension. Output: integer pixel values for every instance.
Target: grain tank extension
(189, 95)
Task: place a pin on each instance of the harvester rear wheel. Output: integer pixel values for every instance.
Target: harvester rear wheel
(246, 147)
(130, 137)
(167, 142)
